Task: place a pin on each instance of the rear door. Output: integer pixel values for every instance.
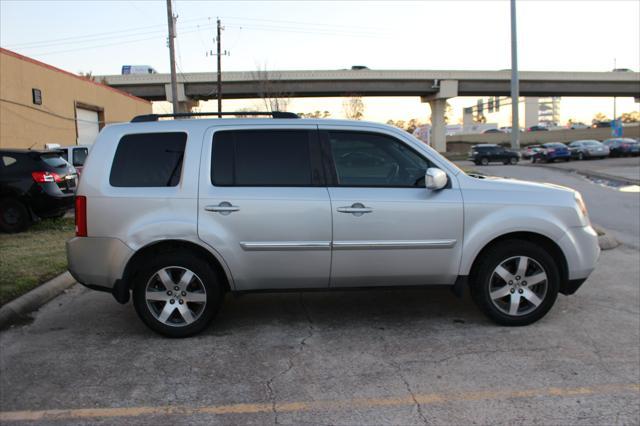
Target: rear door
(264, 207)
(388, 229)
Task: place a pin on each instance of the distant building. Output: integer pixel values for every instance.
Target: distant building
(41, 104)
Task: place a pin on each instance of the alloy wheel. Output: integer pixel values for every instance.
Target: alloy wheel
(175, 296)
(518, 285)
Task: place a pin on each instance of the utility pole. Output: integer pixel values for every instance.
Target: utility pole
(515, 86)
(219, 70)
(615, 66)
(171, 20)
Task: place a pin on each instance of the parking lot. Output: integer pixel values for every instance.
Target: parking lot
(364, 357)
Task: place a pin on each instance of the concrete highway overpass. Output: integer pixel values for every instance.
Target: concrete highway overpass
(434, 87)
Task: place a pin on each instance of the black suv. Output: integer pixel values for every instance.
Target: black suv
(487, 153)
(34, 184)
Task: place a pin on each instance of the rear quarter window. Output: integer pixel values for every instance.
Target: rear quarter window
(148, 160)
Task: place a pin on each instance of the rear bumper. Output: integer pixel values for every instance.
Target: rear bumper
(46, 204)
(97, 262)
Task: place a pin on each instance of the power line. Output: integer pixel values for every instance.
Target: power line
(88, 36)
(300, 31)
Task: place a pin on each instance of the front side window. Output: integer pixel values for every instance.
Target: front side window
(261, 158)
(148, 160)
(370, 159)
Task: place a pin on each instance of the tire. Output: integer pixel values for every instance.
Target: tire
(477, 163)
(533, 160)
(487, 281)
(566, 160)
(484, 161)
(505, 162)
(14, 216)
(513, 161)
(580, 156)
(163, 313)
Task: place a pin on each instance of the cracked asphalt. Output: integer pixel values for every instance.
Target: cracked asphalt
(417, 356)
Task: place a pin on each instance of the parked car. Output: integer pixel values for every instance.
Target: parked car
(551, 152)
(601, 124)
(33, 184)
(245, 205)
(537, 129)
(622, 147)
(530, 151)
(578, 125)
(76, 155)
(488, 153)
(493, 131)
(585, 149)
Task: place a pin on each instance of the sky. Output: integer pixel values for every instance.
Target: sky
(101, 36)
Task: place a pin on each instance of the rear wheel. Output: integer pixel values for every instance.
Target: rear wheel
(14, 216)
(516, 284)
(177, 294)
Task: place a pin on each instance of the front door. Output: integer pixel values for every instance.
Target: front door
(388, 229)
(264, 207)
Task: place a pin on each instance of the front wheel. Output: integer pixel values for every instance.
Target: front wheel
(484, 161)
(516, 284)
(513, 161)
(177, 294)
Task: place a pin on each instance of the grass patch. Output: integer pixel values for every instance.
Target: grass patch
(30, 258)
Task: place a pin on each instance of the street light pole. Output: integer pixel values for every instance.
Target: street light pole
(172, 57)
(515, 86)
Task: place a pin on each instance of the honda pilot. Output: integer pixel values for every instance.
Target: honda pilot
(175, 213)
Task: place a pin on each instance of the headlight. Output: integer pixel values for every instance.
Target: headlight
(580, 203)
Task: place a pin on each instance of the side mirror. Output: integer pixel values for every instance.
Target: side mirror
(435, 179)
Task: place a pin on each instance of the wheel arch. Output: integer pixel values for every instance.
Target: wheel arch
(148, 251)
(541, 240)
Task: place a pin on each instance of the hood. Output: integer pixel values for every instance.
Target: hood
(509, 184)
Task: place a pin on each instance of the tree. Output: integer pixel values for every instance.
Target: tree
(412, 125)
(270, 90)
(353, 108)
(315, 114)
(448, 112)
(630, 117)
(599, 117)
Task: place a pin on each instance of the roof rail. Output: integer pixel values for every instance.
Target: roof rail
(156, 117)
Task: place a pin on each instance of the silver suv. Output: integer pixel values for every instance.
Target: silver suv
(178, 212)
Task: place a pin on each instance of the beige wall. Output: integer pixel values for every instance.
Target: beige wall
(24, 124)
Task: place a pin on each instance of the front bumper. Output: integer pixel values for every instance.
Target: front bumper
(580, 246)
(97, 262)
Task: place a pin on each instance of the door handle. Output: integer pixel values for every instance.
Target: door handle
(356, 209)
(223, 208)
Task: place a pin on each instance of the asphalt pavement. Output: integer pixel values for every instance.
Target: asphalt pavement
(418, 356)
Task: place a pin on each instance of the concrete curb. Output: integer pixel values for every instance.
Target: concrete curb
(606, 241)
(593, 174)
(19, 308)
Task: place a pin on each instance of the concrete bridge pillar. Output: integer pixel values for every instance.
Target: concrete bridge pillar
(438, 103)
(184, 103)
(438, 124)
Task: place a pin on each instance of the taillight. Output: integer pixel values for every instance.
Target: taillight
(42, 177)
(81, 216)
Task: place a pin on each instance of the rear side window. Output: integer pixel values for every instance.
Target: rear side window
(148, 160)
(261, 158)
